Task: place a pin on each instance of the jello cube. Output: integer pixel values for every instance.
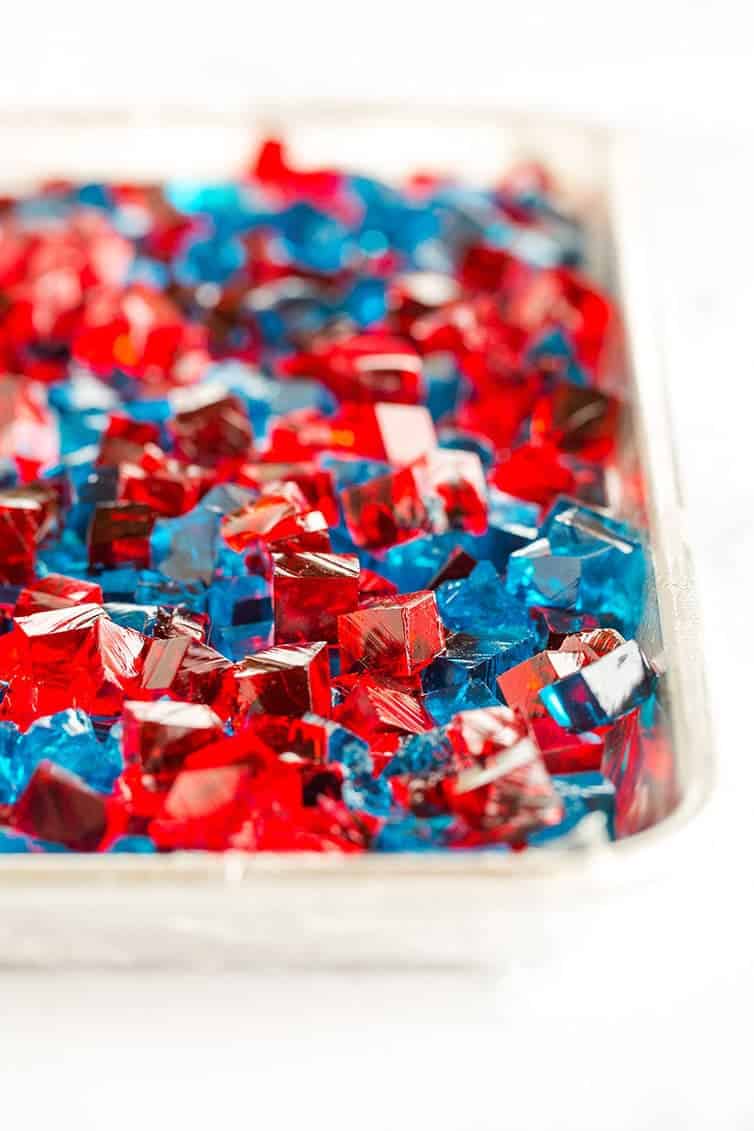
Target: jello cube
(387, 510)
(310, 591)
(521, 684)
(119, 534)
(160, 736)
(603, 691)
(395, 635)
(57, 806)
(578, 419)
(583, 561)
(209, 423)
(377, 709)
(55, 591)
(479, 606)
(458, 478)
(536, 472)
(287, 679)
(20, 523)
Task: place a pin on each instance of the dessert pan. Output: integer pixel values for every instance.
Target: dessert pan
(302, 911)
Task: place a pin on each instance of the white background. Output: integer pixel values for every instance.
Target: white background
(646, 1022)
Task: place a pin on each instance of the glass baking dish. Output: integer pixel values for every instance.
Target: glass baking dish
(301, 910)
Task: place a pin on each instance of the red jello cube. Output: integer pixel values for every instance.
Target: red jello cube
(58, 806)
(20, 523)
(119, 535)
(210, 423)
(565, 752)
(397, 433)
(73, 657)
(310, 591)
(577, 419)
(372, 366)
(396, 635)
(287, 679)
(458, 478)
(124, 438)
(378, 710)
(520, 685)
(315, 483)
(55, 591)
(385, 511)
(534, 472)
(160, 736)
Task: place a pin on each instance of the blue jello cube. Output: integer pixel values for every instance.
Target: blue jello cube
(582, 561)
(479, 604)
(480, 658)
(445, 702)
(421, 754)
(602, 691)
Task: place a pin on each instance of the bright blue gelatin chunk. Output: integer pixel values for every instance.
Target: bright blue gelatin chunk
(365, 302)
(142, 618)
(239, 601)
(353, 472)
(344, 746)
(421, 754)
(314, 239)
(185, 548)
(68, 738)
(446, 702)
(142, 845)
(213, 260)
(480, 658)
(12, 771)
(240, 640)
(478, 604)
(444, 384)
(581, 794)
(414, 834)
(603, 691)
(363, 793)
(411, 565)
(154, 588)
(15, 843)
(585, 562)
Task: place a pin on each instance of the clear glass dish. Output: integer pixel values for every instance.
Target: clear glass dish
(300, 909)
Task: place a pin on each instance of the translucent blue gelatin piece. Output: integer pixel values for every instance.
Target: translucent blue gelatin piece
(448, 701)
(421, 754)
(481, 658)
(266, 397)
(479, 604)
(186, 548)
(153, 588)
(239, 601)
(412, 564)
(555, 343)
(414, 834)
(68, 738)
(583, 561)
(365, 303)
(581, 794)
(119, 585)
(444, 383)
(314, 239)
(241, 640)
(603, 691)
(363, 793)
(213, 260)
(344, 746)
(353, 472)
(12, 770)
(14, 843)
(142, 618)
(141, 845)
